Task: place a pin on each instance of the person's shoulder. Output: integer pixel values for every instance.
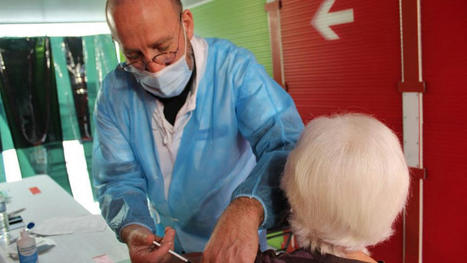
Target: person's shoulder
(116, 79)
(219, 42)
(117, 85)
(224, 48)
(224, 55)
(118, 82)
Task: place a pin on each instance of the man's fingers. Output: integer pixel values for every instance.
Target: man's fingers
(160, 251)
(165, 244)
(169, 234)
(140, 237)
(147, 239)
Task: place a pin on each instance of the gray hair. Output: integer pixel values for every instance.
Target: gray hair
(346, 182)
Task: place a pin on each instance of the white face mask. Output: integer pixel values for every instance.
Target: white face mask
(168, 82)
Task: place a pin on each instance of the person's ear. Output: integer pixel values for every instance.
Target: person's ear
(187, 20)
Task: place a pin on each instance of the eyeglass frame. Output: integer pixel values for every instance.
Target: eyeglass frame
(154, 59)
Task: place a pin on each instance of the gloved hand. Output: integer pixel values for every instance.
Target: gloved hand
(142, 250)
(235, 238)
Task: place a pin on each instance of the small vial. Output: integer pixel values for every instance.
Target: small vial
(27, 250)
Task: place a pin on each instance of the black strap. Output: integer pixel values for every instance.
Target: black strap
(173, 105)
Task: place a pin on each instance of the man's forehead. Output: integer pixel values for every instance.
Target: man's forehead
(153, 11)
(160, 4)
(148, 12)
(145, 21)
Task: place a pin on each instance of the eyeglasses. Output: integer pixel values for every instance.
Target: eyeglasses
(163, 58)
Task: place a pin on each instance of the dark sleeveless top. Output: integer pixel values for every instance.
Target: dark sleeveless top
(300, 256)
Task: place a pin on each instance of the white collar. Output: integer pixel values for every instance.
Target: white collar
(200, 51)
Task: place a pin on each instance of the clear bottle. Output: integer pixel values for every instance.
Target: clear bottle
(27, 250)
(4, 236)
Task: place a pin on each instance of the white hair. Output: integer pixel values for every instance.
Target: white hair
(346, 182)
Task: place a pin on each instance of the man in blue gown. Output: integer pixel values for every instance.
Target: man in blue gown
(192, 136)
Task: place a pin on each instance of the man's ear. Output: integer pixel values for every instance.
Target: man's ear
(187, 20)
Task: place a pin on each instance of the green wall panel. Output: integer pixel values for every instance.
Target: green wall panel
(44, 159)
(69, 122)
(5, 134)
(48, 158)
(25, 165)
(28, 92)
(2, 171)
(56, 167)
(244, 22)
(99, 58)
(6, 142)
(34, 157)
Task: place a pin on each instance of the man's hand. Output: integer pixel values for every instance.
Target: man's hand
(235, 238)
(139, 241)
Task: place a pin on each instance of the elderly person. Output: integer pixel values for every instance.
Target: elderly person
(192, 134)
(346, 182)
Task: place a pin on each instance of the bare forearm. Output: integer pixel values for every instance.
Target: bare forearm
(249, 208)
(235, 238)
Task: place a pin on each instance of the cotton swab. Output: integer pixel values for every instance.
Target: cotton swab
(173, 253)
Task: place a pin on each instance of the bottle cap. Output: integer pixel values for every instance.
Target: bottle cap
(30, 225)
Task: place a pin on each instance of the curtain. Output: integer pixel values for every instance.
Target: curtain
(48, 88)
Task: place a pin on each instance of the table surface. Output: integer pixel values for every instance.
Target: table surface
(53, 201)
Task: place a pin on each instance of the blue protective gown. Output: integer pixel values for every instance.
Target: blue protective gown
(235, 144)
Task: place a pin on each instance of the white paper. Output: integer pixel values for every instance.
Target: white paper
(68, 225)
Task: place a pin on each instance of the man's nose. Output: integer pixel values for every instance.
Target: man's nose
(150, 65)
(153, 67)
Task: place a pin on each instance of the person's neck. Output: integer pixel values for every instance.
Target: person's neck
(359, 255)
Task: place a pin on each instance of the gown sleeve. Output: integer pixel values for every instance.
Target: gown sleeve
(269, 120)
(119, 179)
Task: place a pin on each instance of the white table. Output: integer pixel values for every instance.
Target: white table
(53, 201)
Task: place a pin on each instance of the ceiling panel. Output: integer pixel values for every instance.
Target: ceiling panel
(59, 11)
(51, 11)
